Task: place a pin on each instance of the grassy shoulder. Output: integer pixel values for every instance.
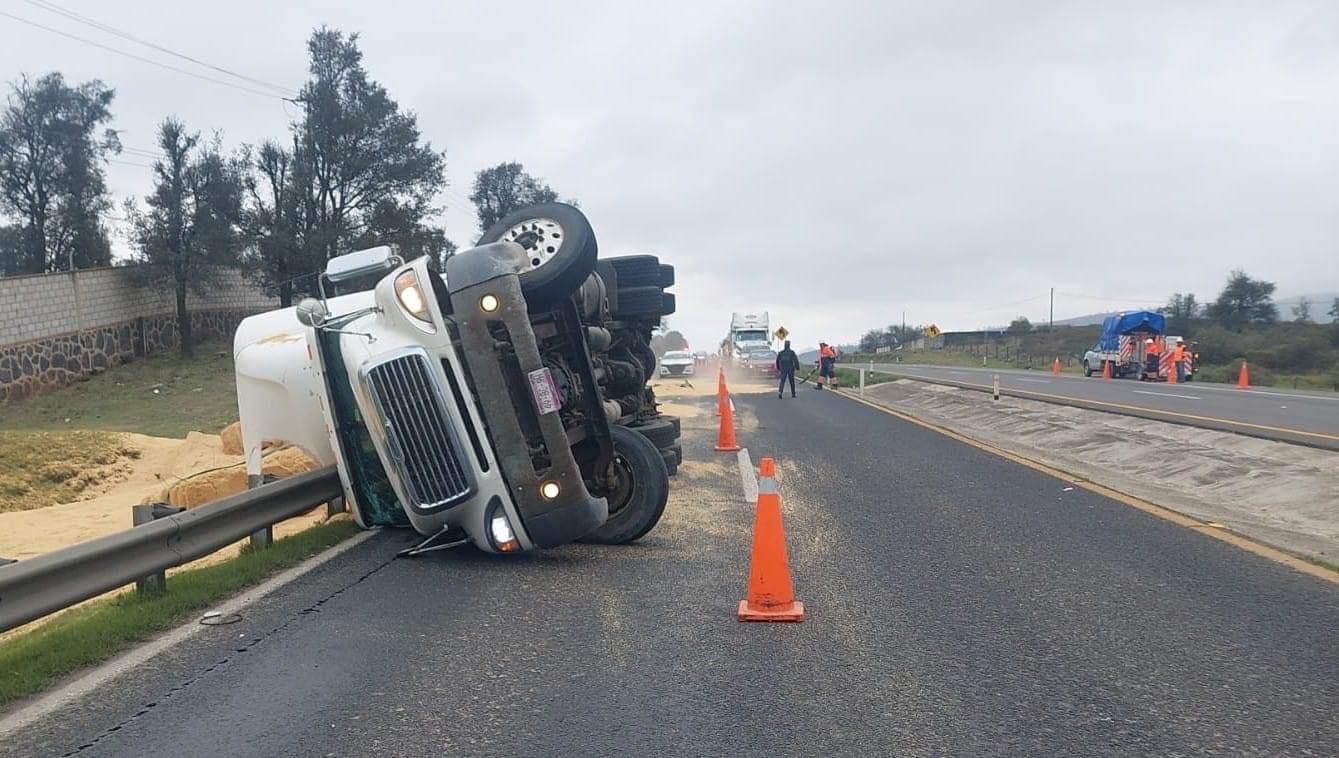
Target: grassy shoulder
(38, 469)
(32, 661)
(850, 378)
(161, 396)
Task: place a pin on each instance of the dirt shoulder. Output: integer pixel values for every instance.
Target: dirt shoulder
(1278, 493)
(161, 462)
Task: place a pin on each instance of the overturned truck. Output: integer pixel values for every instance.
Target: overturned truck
(504, 402)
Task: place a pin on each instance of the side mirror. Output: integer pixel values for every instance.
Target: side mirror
(360, 263)
(312, 312)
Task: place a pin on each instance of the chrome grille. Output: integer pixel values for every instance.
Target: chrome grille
(427, 460)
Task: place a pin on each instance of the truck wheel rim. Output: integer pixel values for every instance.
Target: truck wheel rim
(542, 238)
(621, 472)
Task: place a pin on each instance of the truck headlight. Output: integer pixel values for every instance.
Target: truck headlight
(412, 299)
(504, 539)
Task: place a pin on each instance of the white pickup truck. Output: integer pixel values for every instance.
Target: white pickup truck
(503, 402)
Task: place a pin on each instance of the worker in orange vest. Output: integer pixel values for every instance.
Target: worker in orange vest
(1152, 354)
(1179, 360)
(827, 368)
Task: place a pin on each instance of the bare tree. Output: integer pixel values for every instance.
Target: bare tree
(51, 179)
(504, 188)
(193, 219)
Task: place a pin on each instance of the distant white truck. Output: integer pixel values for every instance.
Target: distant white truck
(749, 333)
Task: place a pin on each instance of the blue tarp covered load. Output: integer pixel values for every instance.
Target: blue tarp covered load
(1130, 323)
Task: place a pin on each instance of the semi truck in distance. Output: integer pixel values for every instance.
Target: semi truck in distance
(750, 333)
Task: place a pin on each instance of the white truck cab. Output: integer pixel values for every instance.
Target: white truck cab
(504, 403)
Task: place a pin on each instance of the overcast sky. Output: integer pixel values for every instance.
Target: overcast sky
(837, 163)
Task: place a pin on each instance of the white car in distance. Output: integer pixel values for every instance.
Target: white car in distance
(677, 363)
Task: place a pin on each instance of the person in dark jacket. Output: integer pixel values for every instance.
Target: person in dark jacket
(787, 363)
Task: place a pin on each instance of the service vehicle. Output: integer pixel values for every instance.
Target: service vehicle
(677, 363)
(503, 402)
(1121, 345)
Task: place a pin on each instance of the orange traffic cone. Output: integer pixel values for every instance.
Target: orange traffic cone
(1243, 379)
(1106, 371)
(721, 392)
(725, 441)
(1055, 367)
(1171, 373)
(771, 596)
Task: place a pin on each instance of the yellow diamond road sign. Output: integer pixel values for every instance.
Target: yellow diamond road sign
(933, 331)
(781, 333)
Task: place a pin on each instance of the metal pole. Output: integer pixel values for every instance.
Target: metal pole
(1051, 328)
(263, 537)
(995, 387)
(156, 583)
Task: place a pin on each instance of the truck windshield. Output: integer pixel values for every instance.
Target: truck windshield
(751, 335)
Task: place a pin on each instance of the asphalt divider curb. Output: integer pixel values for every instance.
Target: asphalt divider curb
(1208, 528)
(1277, 434)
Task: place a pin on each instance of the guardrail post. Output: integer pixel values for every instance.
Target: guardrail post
(862, 382)
(263, 537)
(156, 583)
(334, 505)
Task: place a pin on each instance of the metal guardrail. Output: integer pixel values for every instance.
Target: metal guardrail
(33, 588)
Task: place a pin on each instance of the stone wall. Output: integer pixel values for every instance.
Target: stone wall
(57, 328)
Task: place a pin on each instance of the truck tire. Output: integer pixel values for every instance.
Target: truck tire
(666, 276)
(561, 248)
(673, 457)
(662, 432)
(638, 500)
(667, 303)
(637, 270)
(641, 302)
(1087, 370)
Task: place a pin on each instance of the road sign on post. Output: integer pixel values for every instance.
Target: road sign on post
(781, 333)
(932, 331)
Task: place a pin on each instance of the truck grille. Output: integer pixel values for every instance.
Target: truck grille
(426, 458)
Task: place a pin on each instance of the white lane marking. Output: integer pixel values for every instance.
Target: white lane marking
(1034, 381)
(1238, 390)
(747, 479)
(1167, 394)
(62, 698)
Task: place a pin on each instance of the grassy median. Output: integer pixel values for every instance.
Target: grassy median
(32, 661)
(161, 396)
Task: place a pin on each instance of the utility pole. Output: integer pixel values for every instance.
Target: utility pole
(904, 324)
(1051, 328)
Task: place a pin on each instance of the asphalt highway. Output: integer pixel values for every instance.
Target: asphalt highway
(960, 604)
(1299, 416)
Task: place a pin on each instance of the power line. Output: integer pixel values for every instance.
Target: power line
(142, 59)
(52, 7)
(1135, 300)
(130, 163)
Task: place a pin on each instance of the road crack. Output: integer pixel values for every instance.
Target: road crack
(223, 662)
